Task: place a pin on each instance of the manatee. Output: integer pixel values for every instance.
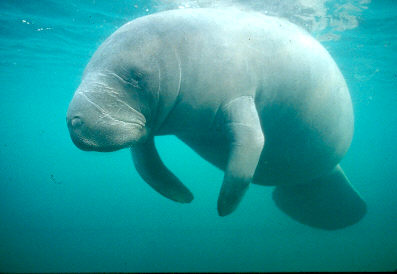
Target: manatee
(254, 95)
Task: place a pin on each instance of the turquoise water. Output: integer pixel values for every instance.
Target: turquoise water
(62, 209)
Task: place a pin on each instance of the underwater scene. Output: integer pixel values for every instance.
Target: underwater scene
(253, 169)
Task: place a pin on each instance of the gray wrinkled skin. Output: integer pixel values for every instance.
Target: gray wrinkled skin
(215, 79)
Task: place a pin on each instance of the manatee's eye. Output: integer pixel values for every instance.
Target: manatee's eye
(131, 77)
(137, 79)
(137, 75)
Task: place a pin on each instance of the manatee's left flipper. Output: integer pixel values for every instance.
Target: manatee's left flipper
(329, 202)
(149, 165)
(242, 125)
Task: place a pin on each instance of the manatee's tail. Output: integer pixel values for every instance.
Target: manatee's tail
(329, 202)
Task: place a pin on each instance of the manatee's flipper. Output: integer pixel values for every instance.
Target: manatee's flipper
(329, 202)
(243, 130)
(149, 165)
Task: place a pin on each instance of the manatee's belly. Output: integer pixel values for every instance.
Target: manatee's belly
(301, 147)
(278, 165)
(295, 151)
(294, 155)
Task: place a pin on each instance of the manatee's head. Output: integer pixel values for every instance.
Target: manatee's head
(106, 114)
(118, 98)
(112, 107)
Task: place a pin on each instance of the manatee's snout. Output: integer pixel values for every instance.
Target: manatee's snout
(103, 123)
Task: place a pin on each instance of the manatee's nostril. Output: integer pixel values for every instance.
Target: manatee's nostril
(76, 122)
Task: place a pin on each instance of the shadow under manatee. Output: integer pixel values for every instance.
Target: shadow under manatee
(329, 202)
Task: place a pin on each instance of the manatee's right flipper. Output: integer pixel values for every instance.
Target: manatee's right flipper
(149, 165)
(329, 202)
